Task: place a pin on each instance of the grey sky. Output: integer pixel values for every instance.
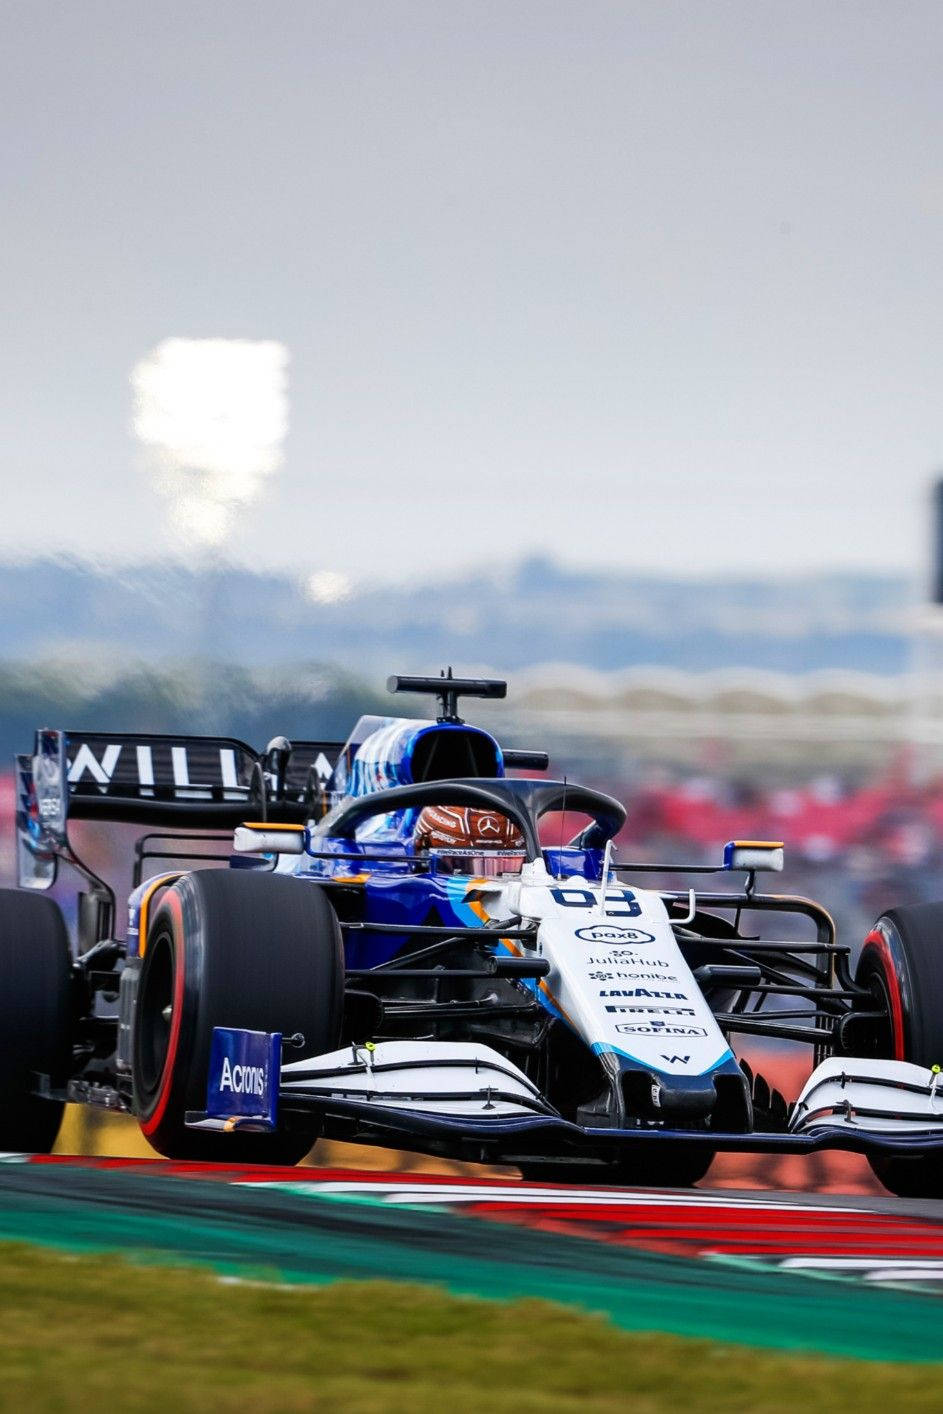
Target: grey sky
(651, 283)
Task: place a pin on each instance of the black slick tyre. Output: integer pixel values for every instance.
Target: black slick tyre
(35, 1018)
(656, 1166)
(667, 1166)
(901, 964)
(231, 948)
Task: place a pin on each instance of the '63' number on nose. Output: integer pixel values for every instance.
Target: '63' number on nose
(620, 903)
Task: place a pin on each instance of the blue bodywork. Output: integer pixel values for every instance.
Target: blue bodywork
(242, 1085)
(385, 752)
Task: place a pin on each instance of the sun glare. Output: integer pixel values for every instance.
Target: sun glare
(211, 416)
(327, 586)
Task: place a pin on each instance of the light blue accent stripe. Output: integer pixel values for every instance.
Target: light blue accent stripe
(548, 1005)
(456, 889)
(598, 1047)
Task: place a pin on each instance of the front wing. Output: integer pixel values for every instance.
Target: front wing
(465, 1100)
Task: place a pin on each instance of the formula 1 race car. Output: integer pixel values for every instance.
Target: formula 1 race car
(394, 955)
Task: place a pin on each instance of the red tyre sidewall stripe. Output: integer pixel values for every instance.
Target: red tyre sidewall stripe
(878, 941)
(150, 1124)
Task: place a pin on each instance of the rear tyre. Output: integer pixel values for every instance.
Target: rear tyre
(231, 948)
(35, 1018)
(901, 964)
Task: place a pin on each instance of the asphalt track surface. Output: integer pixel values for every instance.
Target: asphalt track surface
(859, 1277)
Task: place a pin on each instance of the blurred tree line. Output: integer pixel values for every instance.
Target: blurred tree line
(311, 701)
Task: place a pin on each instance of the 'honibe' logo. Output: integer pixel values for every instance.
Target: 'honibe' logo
(242, 1079)
(609, 933)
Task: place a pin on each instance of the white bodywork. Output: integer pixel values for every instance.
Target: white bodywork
(430, 1077)
(617, 974)
(884, 1096)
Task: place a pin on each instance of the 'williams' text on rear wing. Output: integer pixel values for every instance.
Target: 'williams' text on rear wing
(186, 781)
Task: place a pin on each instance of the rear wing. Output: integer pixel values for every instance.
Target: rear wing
(197, 782)
(176, 782)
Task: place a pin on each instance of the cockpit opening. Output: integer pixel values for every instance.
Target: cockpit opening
(442, 755)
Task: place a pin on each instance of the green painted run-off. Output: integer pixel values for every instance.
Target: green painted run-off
(311, 1238)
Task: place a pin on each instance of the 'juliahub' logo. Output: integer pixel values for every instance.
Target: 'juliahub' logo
(609, 933)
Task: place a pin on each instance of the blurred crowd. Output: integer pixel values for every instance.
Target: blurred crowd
(857, 848)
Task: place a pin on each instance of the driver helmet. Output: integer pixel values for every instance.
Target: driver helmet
(460, 828)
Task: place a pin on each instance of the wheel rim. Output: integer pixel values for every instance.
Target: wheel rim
(880, 1034)
(886, 1036)
(154, 1014)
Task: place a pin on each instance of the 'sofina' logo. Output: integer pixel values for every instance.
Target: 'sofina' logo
(609, 933)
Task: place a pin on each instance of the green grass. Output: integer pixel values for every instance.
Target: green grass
(81, 1333)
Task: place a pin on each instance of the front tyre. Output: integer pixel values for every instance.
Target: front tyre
(654, 1165)
(239, 949)
(35, 1018)
(901, 965)
(667, 1166)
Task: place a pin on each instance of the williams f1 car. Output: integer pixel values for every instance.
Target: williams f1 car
(393, 953)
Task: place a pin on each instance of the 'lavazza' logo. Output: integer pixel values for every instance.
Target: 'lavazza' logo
(242, 1079)
(608, 933)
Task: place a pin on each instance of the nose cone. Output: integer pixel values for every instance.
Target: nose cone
(721, 1095)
